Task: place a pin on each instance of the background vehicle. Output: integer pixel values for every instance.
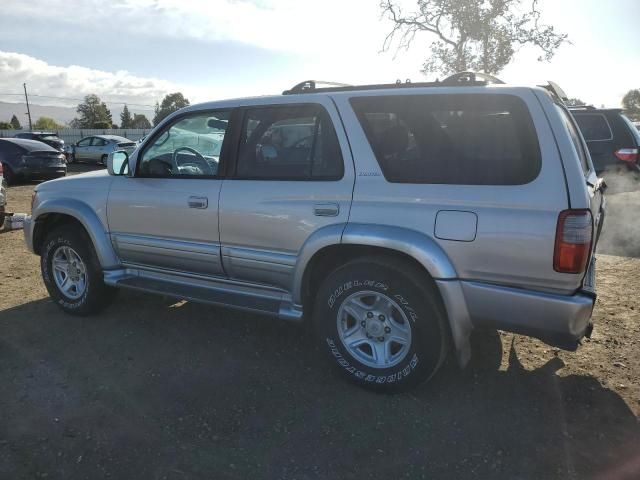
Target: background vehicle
(97, 147)
(3, 195)
(612, 139)
(30, 159)
(50, 138)
(396, 218)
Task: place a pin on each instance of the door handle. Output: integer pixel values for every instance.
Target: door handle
(326, 209)
(198, 202)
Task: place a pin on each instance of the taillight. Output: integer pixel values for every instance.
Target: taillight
(627, 154)
(573, 241)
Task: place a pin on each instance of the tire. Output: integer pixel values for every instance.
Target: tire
(374, 302)
(8, 174)
(103, 160)
(74, 244)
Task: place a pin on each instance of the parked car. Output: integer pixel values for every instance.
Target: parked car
(3, 196)
(50, 138)
(612, 139)
(395, 218)
(30, 160)
(96, 148)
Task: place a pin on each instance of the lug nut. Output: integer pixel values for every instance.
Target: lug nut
(369, 315)
(363, 323)
(381, 317)
(387, 330)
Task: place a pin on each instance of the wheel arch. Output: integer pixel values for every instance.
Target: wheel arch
(53, 213)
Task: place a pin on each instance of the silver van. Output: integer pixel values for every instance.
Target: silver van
(395, 218)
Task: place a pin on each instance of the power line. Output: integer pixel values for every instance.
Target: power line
(78, 99)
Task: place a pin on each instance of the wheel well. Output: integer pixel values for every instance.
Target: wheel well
(329, 258)
(47, 222)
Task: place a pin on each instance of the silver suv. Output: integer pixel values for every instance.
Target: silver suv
(396, 218)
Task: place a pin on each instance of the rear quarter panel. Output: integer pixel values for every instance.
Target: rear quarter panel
(516, 225)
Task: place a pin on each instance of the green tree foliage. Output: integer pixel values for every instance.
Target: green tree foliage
(481, 36)
(125, 118)
(15, 123)
(631, 104)
(169, 104)
(6, 126)
(140, 121)
(574, 102)
(93, 114)
(46, 123)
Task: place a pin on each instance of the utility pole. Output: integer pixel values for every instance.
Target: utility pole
(28, 110)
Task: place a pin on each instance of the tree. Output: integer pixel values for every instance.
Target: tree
(46, 123)
(631, 104)
(15, 123)
(140, 121)
(6, 126)
(473, 35)
(169, 104)
(125, 118)
(574, 102)
(93, 114)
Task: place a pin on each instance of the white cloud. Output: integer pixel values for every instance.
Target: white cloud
(72, 82)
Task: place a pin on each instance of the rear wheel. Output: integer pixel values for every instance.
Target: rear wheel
(380, 322)
(72, 273)
(8, 174)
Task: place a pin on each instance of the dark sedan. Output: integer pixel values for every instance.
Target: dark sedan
(30, 159)
(50, 138)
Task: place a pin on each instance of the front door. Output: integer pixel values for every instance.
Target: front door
(82, 149)
(293, 176)
(166, 215)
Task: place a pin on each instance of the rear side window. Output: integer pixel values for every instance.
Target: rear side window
(451, 139)
(575, 138)
(594, 127)
(289, 143)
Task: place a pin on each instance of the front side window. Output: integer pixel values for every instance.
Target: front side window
(594, 127)
(289, 143)
(191, 146)
(85, 142)
(451, 139)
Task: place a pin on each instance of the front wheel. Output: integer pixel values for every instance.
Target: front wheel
(381, 323)
(103, 160)
(72, 273)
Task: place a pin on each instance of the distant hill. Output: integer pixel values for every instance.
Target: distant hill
(62, 115)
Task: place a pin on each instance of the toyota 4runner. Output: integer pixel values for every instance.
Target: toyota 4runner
(395, 218)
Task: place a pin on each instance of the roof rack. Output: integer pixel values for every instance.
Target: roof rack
(581, 107)
(555, 90)
(462, 79)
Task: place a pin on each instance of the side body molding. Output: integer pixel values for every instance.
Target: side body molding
(88, 218)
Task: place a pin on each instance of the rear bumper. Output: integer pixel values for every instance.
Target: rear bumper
(559, 320)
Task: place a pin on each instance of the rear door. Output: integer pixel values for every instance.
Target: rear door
(293, 176)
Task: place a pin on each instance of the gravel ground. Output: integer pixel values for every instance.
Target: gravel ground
(152, 388)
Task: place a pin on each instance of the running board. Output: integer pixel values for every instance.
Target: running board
(220, 292)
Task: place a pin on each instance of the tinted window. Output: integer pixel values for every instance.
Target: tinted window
(451, 139)
(98, 142)
(191, 146)
(289, 143)
(594, 127)
(85, 142)
(10, 149)
(575, 138)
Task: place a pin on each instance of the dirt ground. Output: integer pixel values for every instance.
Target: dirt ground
(156, 389)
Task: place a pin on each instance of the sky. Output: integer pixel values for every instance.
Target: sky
(136, 51)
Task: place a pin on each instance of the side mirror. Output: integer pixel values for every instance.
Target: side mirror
(118, 163)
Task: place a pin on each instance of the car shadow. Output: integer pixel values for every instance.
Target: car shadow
(163, 389)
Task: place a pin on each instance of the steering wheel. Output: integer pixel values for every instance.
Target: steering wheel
(302, 140)
(200, 160)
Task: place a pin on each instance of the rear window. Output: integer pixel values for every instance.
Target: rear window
(575, 137)
(594, 127)
(451, 139)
